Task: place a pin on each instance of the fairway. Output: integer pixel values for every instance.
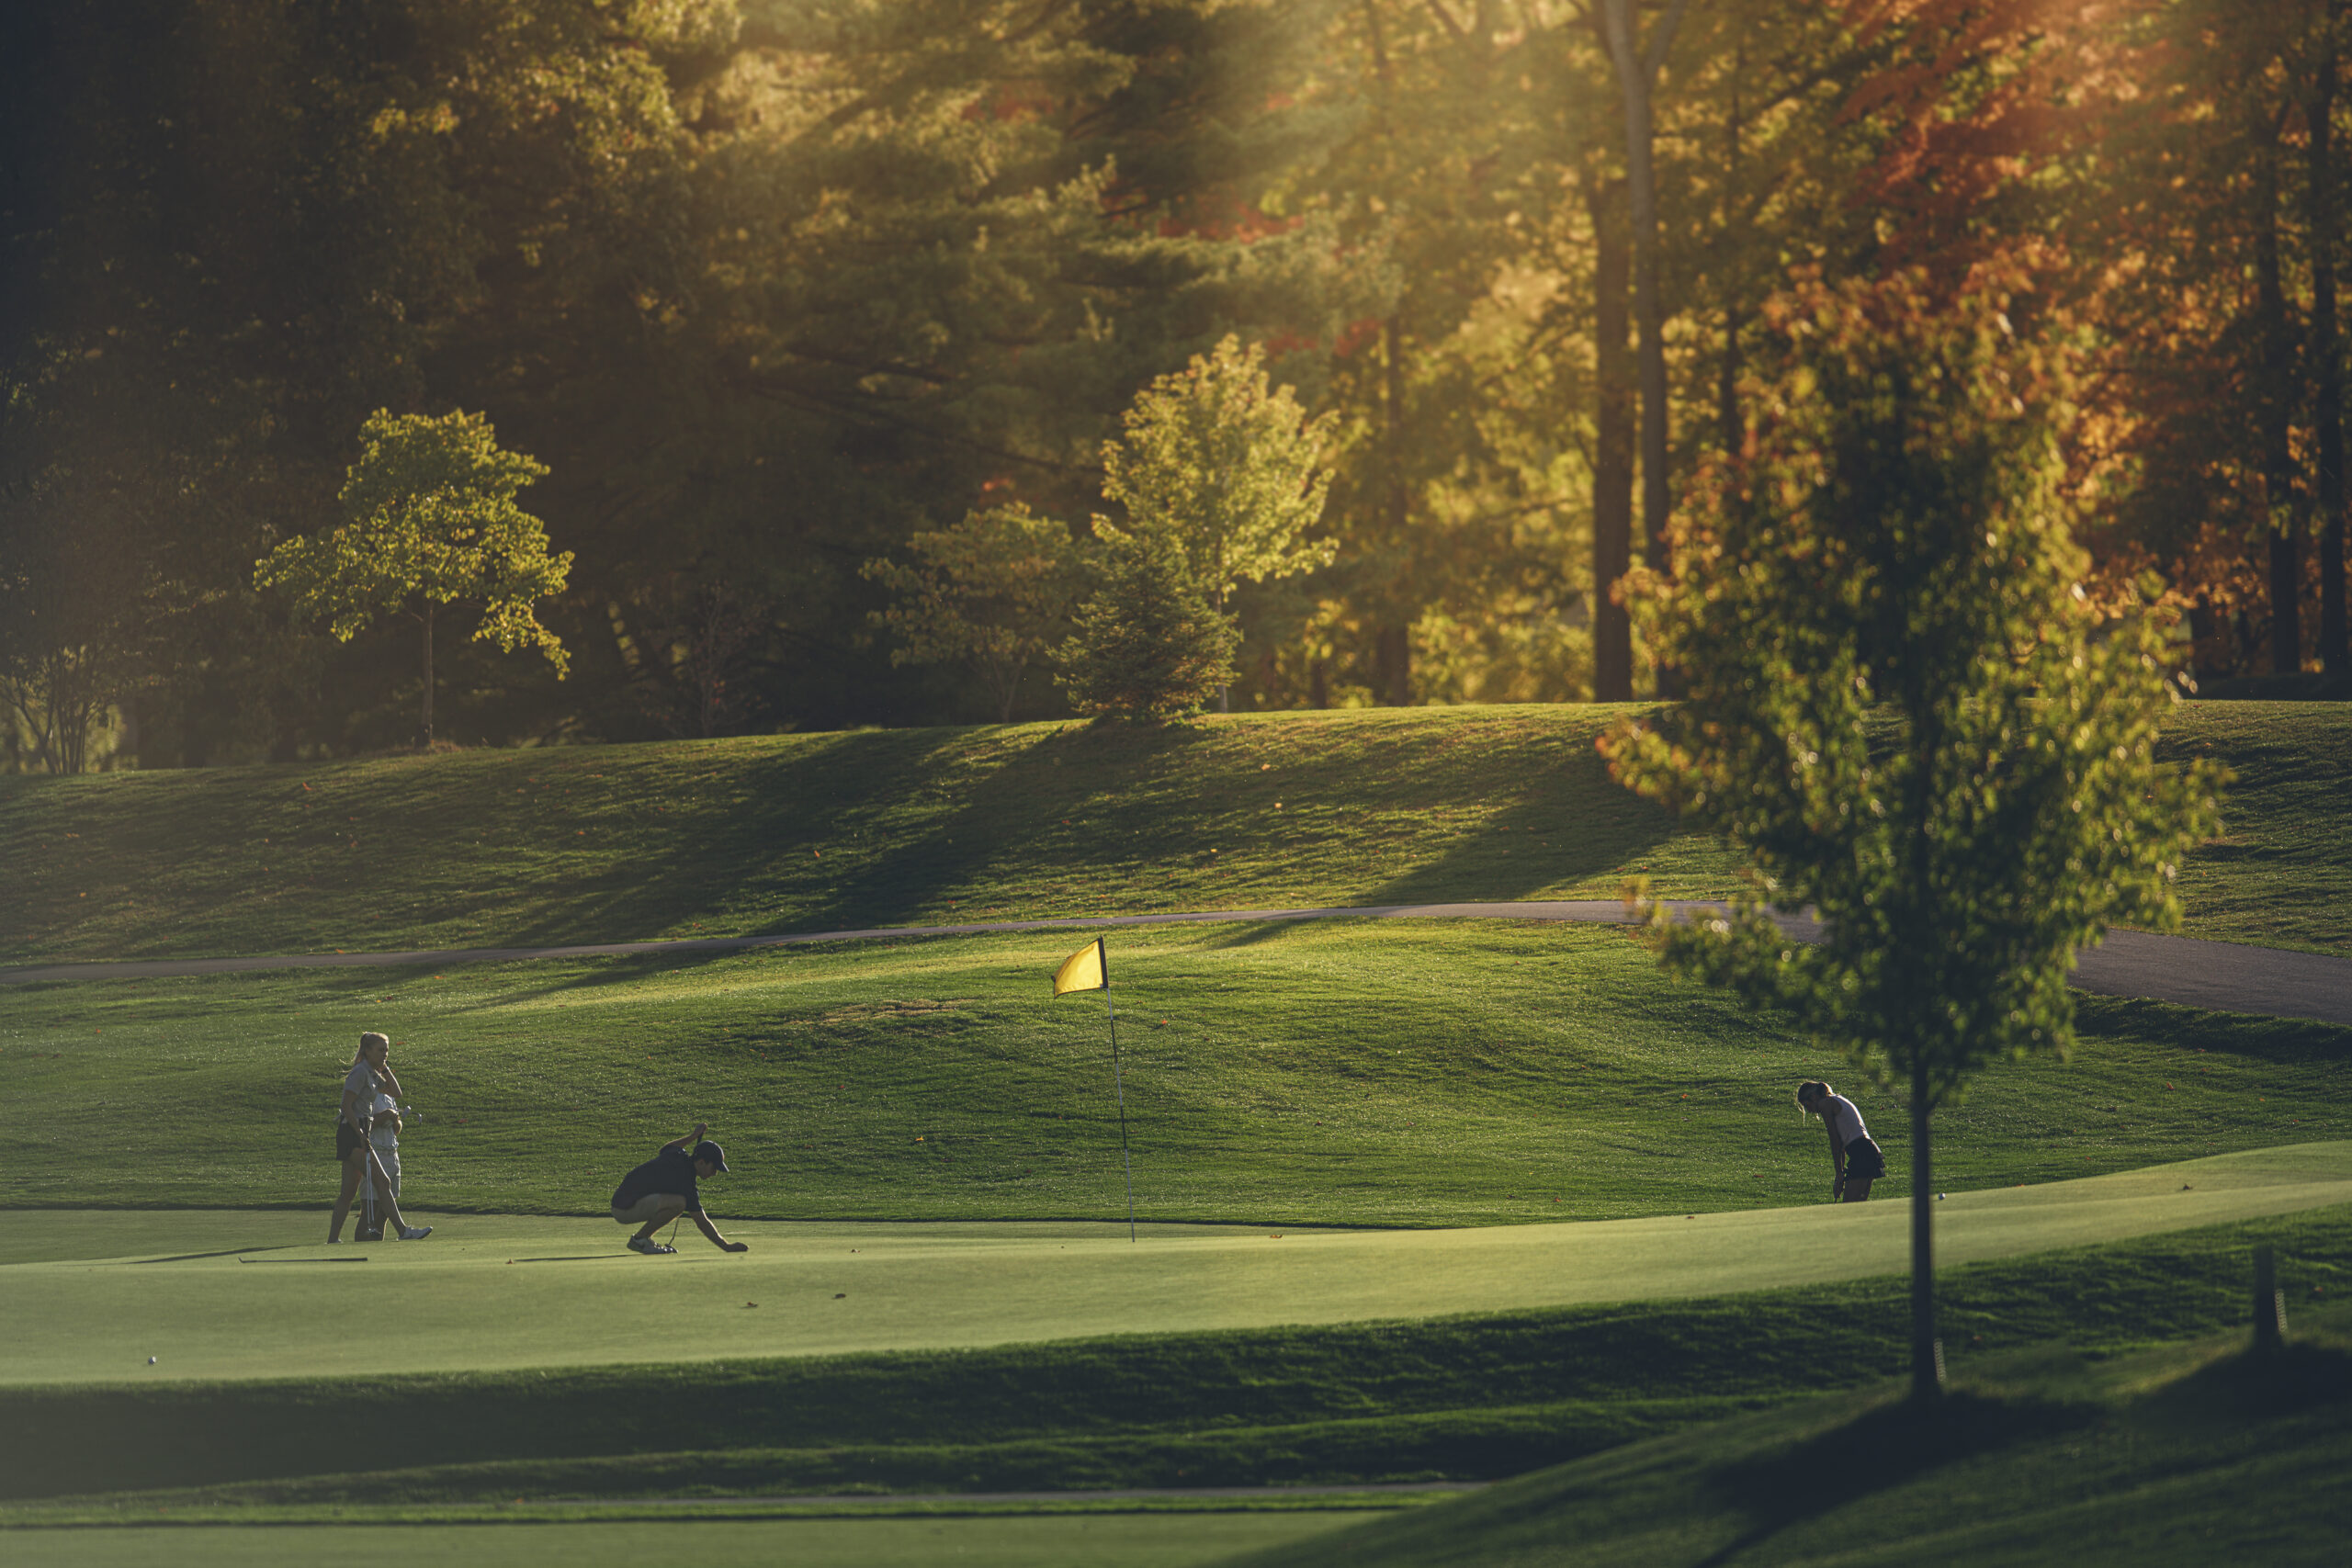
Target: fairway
(489, 1293)
(1111, 1540)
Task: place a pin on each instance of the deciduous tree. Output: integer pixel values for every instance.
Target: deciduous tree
(1901, 711)
(993, 591)
(434, 522)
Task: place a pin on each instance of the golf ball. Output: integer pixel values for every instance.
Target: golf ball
(151, 1360)
(1941, 1196)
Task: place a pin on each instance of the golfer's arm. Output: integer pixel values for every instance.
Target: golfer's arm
(1837, 1154)
(353, 1110)
(693, 1137)
(702, 1223)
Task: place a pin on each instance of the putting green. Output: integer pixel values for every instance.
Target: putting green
(1110, 1541)
(508, 1292)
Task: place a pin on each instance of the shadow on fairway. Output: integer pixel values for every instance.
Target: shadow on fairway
(1878, 1451)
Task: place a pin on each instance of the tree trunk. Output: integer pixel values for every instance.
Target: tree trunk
(1926, 1371)
(1393, 656)
(1637, 70)
(2284, 525)
(1612, 463)
(2327, 356)
(424, 740)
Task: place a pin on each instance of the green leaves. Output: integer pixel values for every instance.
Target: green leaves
(1225, 466)
(1903, 711)
(993, 591)
(434, 519)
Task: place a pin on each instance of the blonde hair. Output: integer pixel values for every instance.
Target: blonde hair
(370, 1038)
(1812, 1090)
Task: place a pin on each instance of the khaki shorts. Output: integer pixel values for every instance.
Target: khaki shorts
(647, 1207)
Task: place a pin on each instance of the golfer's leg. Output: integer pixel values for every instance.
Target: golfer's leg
(351, 1168)
(1857, 1188)
(669, 1208)
(388, 1208)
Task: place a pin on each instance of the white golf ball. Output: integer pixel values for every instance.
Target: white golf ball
(151, 1360)
(1941, 1196)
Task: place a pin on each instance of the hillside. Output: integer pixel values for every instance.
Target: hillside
(2193, 1453)
(834, 831)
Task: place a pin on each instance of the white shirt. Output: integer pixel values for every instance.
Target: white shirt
(382, 1132)
(1844, 1122)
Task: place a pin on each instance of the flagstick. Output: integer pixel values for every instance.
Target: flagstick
(1127, 1164)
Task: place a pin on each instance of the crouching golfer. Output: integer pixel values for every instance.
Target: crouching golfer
(664, 1188)
(1853, 1154)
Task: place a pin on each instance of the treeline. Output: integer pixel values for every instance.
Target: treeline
(777, 290)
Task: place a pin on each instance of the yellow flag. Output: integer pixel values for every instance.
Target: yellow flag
(1085, 970)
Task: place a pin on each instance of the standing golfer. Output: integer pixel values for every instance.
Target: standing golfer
(664, 1187)
(1857, 1160)
(370, 1073)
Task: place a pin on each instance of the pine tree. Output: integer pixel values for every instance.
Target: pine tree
(1149, 646)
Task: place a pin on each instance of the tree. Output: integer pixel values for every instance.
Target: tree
(1148, 645)
(1226, 469)
(1901, 709)
(995, 589)
(1227, 466)
(432, 522)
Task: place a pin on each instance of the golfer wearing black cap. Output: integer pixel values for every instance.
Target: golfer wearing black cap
(664, 1188)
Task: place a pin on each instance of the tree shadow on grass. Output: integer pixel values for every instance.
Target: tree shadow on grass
(1879, 1449)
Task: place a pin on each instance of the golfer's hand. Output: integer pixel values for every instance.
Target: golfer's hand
(734, 1246)
(700, 1128)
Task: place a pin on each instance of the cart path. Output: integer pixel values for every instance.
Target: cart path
(2224, 977)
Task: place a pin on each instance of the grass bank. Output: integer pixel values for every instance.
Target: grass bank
(2196, 1454)
(1461, 1398)
(841, 831)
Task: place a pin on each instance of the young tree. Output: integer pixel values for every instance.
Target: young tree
(432, 522)
(1148, 645)
(995, 589)
(1224, 468)
(1899, 710)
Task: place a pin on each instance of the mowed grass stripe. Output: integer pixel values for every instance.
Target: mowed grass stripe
(1092, 1541)
(460, 1303)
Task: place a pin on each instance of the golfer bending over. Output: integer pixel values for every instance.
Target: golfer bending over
(1857, 1160)
(371, 1072)
(663, 1188)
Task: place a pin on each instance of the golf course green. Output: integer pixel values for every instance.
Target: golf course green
(1418, 1201)
(495, 1293)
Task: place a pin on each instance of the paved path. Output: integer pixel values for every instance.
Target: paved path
(2225, 976)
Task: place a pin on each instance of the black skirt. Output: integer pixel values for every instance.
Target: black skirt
(348, 1141)
(1864, 1160)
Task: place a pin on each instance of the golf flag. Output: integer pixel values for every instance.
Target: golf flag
(1089, 970)
(1085, 970)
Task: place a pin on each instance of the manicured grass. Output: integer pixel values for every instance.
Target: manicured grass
(502, 1293)
(1149, 1540)
(1453, 1398)
(840, 831)
(2199, 1454)
(1402, 1073)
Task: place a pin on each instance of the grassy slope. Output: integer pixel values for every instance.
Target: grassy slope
(2197, 1454)
(1046, 1541)
(507, 1293)
(847, 830)
(1412, 1073)
(1464, 1398)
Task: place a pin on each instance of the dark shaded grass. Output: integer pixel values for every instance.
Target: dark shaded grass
(1465, 1398)
(2231, 1458)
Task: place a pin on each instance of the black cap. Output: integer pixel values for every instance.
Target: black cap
(711, 1152)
